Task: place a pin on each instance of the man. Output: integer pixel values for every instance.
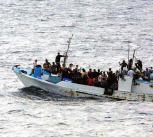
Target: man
(110, 72)
(54, 68)
(95, 73)
(139, 65)
(123, 65)
(76, 68)
(131, 73)
(47, 65)
(151, 76)
(58, 58)
(34, 63)
(90, 74)
(130, 63)
(70, 67)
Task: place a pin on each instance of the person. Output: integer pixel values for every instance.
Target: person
(117, 73)
(150, 70)
(76, 68)
(70, 68)
(139, 65)
(95, 74)
(136, 76)
(100, 78)
(104, 75)
(90, 81)
(65, 73)
(47, 65)
(147, 74)
(77, 76)
(84, 76)
(62, 68)
(123, 65)
(90, 74)
(130, 63)
(114, 82)
(54, 68)
(35, 63)
(110, 72)
(131, 73)
(104, 80)
(110, 75)
(151, 76)
(58, 58)
(111, 79)
(99, 73)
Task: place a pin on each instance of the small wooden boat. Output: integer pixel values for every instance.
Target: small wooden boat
(142, 91)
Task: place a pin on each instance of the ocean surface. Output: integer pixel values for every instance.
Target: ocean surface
(102, 29)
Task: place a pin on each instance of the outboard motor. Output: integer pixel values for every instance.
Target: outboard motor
(37, 71)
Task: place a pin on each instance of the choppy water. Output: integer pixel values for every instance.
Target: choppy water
(31, 29)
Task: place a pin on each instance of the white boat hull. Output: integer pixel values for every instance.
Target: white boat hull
(61, 88)
(137, 93)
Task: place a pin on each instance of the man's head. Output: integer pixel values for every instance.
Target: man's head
(70, 65)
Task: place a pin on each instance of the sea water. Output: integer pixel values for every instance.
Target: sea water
(103, 30)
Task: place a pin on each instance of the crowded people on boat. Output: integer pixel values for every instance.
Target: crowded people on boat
(98, 78)
(137, 73)
(92, 77)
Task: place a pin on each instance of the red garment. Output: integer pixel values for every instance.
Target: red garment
(90, 82)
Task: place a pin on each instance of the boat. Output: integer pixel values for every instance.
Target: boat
(142, 91)
(54, 84)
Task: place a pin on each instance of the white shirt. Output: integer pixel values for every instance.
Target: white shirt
(100, 78)
(130, 73)
(151, 76)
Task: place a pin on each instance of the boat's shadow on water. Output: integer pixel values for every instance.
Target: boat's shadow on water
(34, 93)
